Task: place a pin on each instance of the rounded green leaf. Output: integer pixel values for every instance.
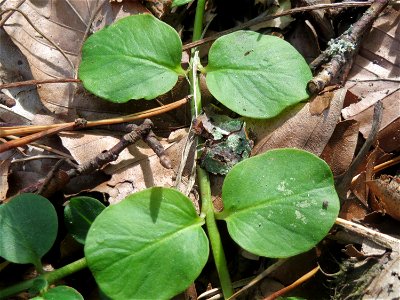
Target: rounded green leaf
(280, 203)
(148, 246)
(179, 2)
(256, 75)
(136, 57)
(60, 292)
(28, 228)
(79, 215)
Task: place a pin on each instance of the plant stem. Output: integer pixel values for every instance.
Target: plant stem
(207, 209)
(213, 233)
(66, 270)
(195, 102)
(51, 277)
(198, 20)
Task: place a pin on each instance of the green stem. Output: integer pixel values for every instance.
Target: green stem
(51, 277)
(213, 233)
(66, 270)
(198, 20)
(207, 209)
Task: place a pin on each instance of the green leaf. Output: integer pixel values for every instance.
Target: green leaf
(148, 246)
(180, 2)
(280, 203)
(60, 292)
(137, 57)
(256, 75)
(39, 285)
(28, 228)
(79, 215)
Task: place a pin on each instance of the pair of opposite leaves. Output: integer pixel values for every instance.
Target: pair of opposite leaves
(254, 75)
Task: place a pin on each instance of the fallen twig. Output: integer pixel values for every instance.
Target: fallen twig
(36, 82)
(57, 179)
(262, 19)
(36, 136)
(7, 101)
(341, 50)
(381, 239)
(21, 130)
(295, 284)
(111, 155)
(343, 182)
(259, 277)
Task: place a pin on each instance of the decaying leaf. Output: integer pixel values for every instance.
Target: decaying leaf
(387, 190)
(226, 142)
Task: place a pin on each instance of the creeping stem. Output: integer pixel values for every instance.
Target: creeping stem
(50, 277)
(207, 209)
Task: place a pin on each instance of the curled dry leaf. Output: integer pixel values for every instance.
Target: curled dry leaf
(387, 190)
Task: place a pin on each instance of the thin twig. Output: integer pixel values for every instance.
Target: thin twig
(295, 284)
(375, 79)
(150, 139)
(44, 147)
(342, 50)
(260, 276)
(42, 34)
(19, 160)
(49, 178)
(58, 179)
(36, 82)
(258, 20)
(382, 166)
(21, 130)
(382, 239)
(111, 155)
(33, 137)
(343, 182)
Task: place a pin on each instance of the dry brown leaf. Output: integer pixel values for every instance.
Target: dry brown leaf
(303, 130)
(322, 101)
(339, 151)
(65, 22)
(280, 22)
(304, 38)
(387, 190)
(379, 63)
(352, 208)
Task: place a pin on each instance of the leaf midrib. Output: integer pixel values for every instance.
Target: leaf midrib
(163, 239)
(140, 58)
(262, 205)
